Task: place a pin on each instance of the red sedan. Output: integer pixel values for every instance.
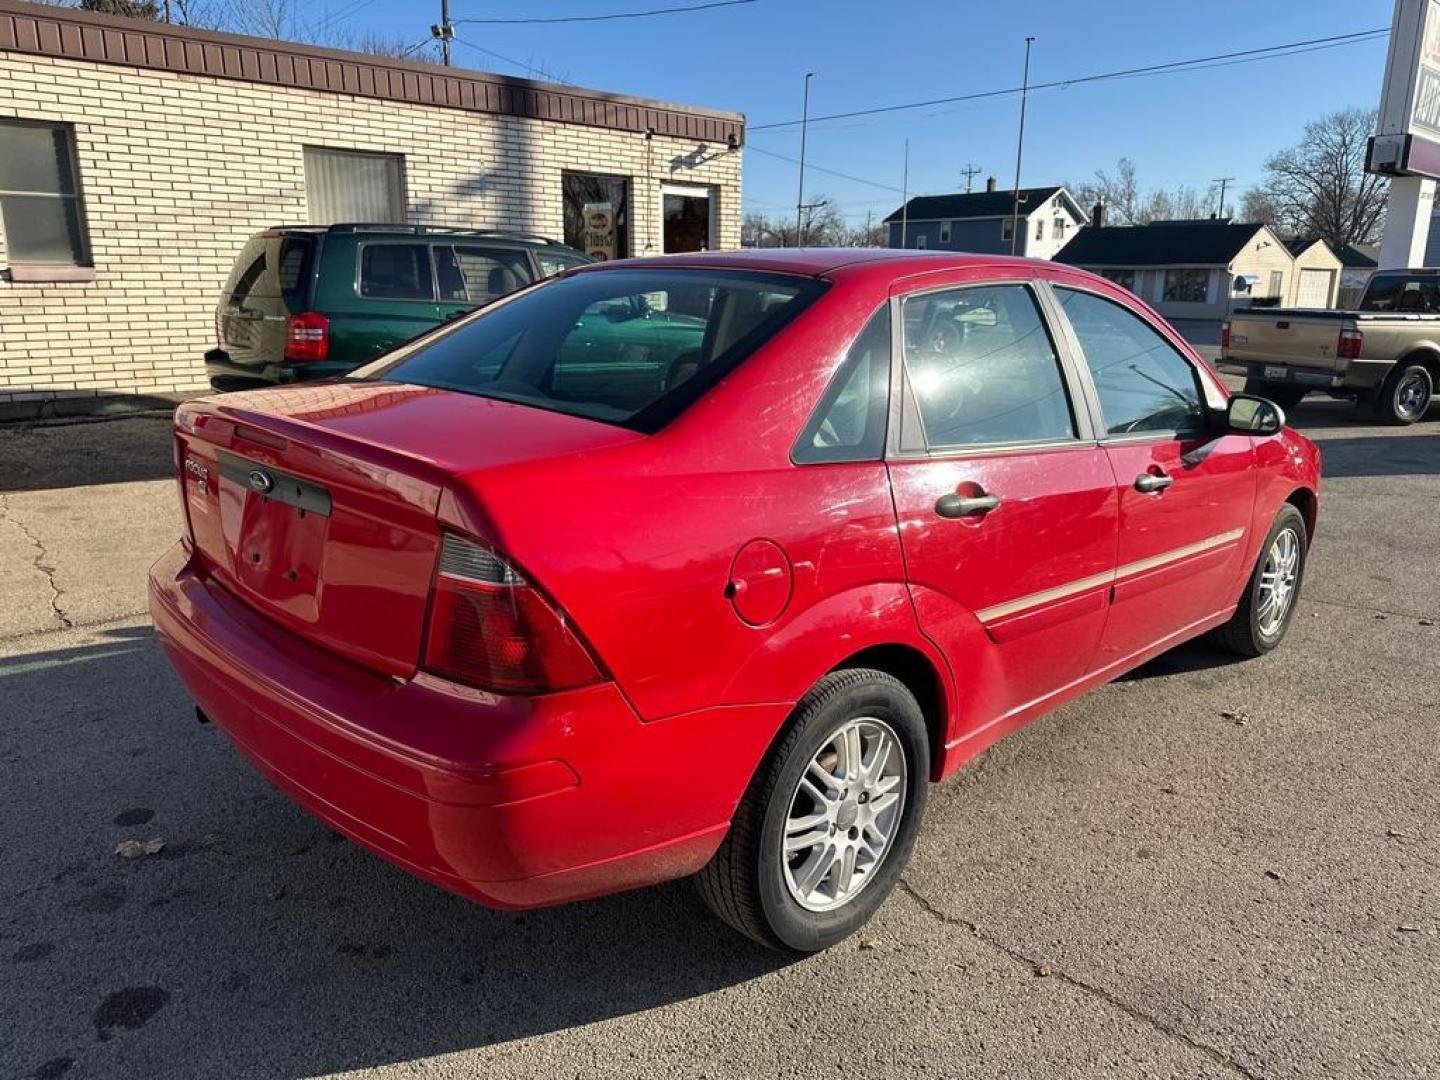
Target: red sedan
(710, 564)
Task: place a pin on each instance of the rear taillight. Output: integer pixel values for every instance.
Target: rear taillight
(491, 629)
(307, 337)
(1350, 343)
(1225, 334)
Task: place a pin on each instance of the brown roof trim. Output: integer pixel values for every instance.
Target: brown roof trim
(71, 34)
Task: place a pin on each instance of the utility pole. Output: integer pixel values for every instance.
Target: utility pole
(970, 172)
(800, 198)
(1223, 181)
(445, 31)
(1020, 151)
(905, 198)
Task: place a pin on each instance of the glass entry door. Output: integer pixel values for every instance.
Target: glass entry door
(688, 215)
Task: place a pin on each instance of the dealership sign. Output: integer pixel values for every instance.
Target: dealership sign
(1407, 142)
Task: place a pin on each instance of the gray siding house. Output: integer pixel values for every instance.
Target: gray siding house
(981, 221)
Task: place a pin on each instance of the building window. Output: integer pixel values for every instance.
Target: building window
(1187, 286)
(1039, 228)
(920, 242)
(40, 195)
(597, 214)
(354, 186)
(687, 218)
(1124, 278)
(1277, 282)
(1059, 228)
(944, 232)
(1007, 229)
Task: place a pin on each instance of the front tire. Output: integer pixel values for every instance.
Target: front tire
(1405, 395)
(1266, 609)
(829, 820)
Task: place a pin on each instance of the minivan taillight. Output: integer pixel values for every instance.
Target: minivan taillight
(307, 337)
(491, 629)
(1350, 343)
(1225, 334)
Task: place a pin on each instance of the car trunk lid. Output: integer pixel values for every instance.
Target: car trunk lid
(316, 504)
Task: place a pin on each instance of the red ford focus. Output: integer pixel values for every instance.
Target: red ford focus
(710, 564)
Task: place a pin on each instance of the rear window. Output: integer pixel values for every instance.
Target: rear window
(630, 347)
(271, 268)
(1403, 292)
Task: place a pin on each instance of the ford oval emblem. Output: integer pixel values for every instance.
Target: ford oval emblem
(261, 481)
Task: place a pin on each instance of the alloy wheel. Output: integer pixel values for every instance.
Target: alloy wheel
(1277, 582)
(844, 814)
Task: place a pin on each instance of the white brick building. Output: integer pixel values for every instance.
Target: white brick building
(136, 158)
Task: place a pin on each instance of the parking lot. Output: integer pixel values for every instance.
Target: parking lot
(1208, 869)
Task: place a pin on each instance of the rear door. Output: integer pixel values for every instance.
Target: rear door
(1007, 506)
(392, 299)
(268, 283)
(1186, 489)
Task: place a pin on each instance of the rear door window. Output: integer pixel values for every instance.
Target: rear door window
(983, 369)
(632, 347)
(849, 424)
(396, 272)
(1403, 293)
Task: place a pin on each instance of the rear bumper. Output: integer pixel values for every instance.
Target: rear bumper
(1355, 375)
(511, 801)
(226, 374)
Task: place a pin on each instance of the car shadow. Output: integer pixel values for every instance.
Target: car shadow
(83, 451)
(256, 941)
(1196, 655)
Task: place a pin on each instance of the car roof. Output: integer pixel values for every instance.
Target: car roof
(822, 262)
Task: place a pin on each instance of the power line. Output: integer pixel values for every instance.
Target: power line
(531, 69)
(612, 15)
(820, 168)
(1267, 52)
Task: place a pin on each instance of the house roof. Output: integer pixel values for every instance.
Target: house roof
(1359, 256)
(1204, 242)
(979, 204)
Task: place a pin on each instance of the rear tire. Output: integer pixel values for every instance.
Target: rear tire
(1405, 395)
(782, 837)
(1286, 395)
(1258, 625)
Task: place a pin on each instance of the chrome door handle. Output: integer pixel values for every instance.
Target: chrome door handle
(1152, 482)
(955, 505)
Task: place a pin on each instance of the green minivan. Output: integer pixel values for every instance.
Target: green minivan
(314, 301)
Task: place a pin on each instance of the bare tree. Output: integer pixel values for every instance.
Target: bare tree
(1319, 189)
(825, 226)
(132, 9)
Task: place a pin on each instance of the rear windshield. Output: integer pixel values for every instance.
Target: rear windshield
(1403, 292)
(630, 347)
(271, 268)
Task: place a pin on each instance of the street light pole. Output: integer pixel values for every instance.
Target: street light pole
(800, 198)
(1020, 151)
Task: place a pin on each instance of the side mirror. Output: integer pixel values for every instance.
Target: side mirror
(1253, 415)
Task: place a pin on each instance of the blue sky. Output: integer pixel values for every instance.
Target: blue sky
(1178, 128)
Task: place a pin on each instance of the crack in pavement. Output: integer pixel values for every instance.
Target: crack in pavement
(38, 562)
(1098, 992)
(1367, 608)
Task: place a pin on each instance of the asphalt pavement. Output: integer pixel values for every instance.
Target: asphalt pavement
(1207, 869)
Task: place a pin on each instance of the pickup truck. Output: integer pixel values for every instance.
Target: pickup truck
(1385, 354)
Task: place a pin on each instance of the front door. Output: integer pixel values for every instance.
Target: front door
(1007, 513)
(1185, 491)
